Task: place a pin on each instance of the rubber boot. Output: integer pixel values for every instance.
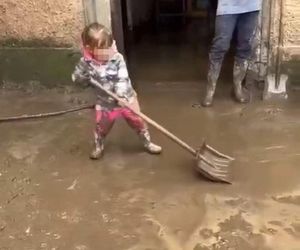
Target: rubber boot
(239, 74)
(212, 78)
(97, 152)
(149, 146)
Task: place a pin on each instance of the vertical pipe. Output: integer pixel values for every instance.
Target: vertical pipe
(280, 45)
(264, 38)
(271, 10)
(261, 40)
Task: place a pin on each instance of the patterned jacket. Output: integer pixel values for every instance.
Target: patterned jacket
(113, 75)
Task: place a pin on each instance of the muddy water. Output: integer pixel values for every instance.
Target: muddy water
(54, 197)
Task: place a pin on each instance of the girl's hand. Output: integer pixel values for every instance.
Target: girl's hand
(133, 104)
(122, 102)
(130, 104)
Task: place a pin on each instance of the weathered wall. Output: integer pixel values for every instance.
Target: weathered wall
(46, 22)
(291, 29)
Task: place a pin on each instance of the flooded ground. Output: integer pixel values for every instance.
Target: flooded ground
(54, 197)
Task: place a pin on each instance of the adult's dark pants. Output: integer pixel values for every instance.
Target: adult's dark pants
(245, 25)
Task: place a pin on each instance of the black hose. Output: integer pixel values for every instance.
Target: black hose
(45, 115)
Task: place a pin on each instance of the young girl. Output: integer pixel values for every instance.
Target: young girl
(102, 62)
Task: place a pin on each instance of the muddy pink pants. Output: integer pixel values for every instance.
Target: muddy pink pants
(105, 120)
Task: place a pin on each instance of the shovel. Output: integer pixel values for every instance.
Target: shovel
(210, 163)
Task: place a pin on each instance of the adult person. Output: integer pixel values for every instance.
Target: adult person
(242, 16)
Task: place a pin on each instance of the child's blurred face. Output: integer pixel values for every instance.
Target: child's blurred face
(101, 54)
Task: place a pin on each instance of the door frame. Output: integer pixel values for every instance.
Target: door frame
(108, 13)
(117, 23)
(270, 50)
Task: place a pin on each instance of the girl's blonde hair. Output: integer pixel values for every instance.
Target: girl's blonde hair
(97, 35)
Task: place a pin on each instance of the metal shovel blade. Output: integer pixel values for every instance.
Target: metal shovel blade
(213, 165)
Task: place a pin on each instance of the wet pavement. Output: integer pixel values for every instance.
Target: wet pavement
(54, 197)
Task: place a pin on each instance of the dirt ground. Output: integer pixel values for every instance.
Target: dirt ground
(53, 197)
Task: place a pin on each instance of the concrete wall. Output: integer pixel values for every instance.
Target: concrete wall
(291, 29)
(43, 22)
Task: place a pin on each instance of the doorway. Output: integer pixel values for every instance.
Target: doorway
(166, 40)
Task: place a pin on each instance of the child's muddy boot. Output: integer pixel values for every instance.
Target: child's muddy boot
(97, 153)
(149, 146)
(152, 148)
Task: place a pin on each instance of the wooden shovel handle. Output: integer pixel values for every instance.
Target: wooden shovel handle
(147, 119)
